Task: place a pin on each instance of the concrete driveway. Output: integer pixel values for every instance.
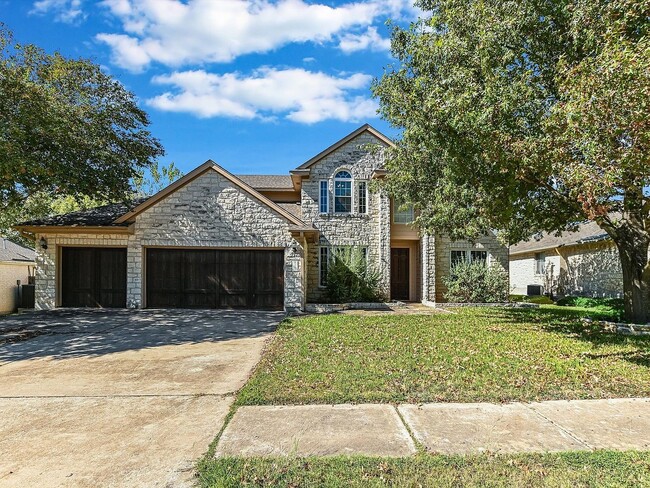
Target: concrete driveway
(119, 398)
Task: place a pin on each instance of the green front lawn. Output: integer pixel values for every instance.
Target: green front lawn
(603, 468)
(483, 354)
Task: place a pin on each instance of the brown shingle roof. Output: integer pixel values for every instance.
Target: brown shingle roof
(293, 208)
(587, 232)
(268, 182)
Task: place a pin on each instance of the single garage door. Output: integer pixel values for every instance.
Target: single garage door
(209, 278)
(93, 277)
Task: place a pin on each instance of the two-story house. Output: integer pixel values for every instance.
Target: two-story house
(216, 240)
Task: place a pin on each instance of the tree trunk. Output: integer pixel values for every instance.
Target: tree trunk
(633, 251)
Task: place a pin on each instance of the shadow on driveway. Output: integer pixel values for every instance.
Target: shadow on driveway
(68, 333)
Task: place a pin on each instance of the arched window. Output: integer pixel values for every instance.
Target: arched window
(343, 192)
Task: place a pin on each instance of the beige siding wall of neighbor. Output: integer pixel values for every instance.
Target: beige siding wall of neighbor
(207, 212)
(523, 272)
(371, 230)
(9, 273)
(592, 270)
(497, 256)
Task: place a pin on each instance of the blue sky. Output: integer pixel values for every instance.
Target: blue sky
(259, 86)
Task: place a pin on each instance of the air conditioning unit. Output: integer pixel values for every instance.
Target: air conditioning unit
(534, 290)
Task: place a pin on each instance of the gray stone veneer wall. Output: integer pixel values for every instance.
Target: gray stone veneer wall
(207, 212)
(498, 256)
(371, 230)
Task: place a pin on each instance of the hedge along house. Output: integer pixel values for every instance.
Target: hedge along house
(216, 240)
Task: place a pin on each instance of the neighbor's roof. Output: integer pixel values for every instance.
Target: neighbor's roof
(98, 216)
(587, 232)
(10, 251)
(268, 182)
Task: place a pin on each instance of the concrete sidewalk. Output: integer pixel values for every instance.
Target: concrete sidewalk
(446, 428)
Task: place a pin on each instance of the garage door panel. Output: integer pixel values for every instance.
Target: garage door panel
(93, 277)
(215, 278)
(234, 279)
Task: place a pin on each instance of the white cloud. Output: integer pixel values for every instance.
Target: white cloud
(68, 11)
(295, 94)
(370, 39)
(176, 33)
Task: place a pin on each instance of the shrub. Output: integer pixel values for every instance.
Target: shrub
(351, 279)
(476, 283)
(539, 299)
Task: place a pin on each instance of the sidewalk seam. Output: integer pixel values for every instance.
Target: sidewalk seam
(561, 427)
(419, 446)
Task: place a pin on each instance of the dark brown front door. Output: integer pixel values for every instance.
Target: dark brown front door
(399, 273)
(93, 277)
(197, 278)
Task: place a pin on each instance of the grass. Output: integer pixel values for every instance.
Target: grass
(578, 469)
(475, 354)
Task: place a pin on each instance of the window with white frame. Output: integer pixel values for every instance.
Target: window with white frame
(540, 263)
(473, 256)
(346, 253)
(362, 197)
(343, 192)
(403, 213)
(323, 263)
(324, 197)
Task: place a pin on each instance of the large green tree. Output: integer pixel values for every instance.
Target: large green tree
(527, 116)
(66, 128)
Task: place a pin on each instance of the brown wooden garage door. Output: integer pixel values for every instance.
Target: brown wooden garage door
(197, 278)
(93, 277)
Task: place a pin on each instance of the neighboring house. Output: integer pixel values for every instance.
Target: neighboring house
(212, 239)
(584, 262)
(16, 264)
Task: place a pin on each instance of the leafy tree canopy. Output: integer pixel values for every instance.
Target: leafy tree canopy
(526, 116)
(66, 128)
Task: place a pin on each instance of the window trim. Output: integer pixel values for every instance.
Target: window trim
(320, 197)
(349, 180)
(360, 194)
(468, 255)
(537, 261)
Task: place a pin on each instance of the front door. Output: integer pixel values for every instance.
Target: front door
(399, 273)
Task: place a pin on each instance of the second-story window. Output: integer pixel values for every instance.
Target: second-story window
(343, 192)
(362, 197)
(323, 203)
(403, 213)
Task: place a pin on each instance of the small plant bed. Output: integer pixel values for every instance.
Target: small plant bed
(471, 355)
(601, 468)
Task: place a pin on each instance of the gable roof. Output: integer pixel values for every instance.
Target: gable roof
(586, 232)
(209, 165)
(268, 182)
(12, 252)
(364, 128)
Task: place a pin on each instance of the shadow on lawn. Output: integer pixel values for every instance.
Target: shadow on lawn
(568, 322)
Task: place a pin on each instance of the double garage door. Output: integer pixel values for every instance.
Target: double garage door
(176, 278)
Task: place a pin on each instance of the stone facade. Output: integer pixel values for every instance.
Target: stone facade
(207, 212)
(371, 230)
(497, 256)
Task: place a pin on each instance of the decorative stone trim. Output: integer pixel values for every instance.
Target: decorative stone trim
(620, 327)
(338, 307)
(494, 305)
